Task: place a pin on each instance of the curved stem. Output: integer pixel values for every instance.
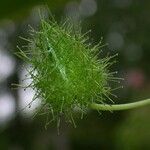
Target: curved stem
(117, 107)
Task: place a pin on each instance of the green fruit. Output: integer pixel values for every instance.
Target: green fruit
(66, 72)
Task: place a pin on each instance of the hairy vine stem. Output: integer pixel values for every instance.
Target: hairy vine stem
(118, 107)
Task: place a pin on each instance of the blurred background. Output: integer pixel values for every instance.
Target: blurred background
(125, 26)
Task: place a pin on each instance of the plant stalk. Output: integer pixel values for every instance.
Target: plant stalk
(118, 107)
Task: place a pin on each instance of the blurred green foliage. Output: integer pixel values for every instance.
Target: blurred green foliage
(19, 8)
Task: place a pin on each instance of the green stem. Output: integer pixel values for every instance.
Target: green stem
(117, 107)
